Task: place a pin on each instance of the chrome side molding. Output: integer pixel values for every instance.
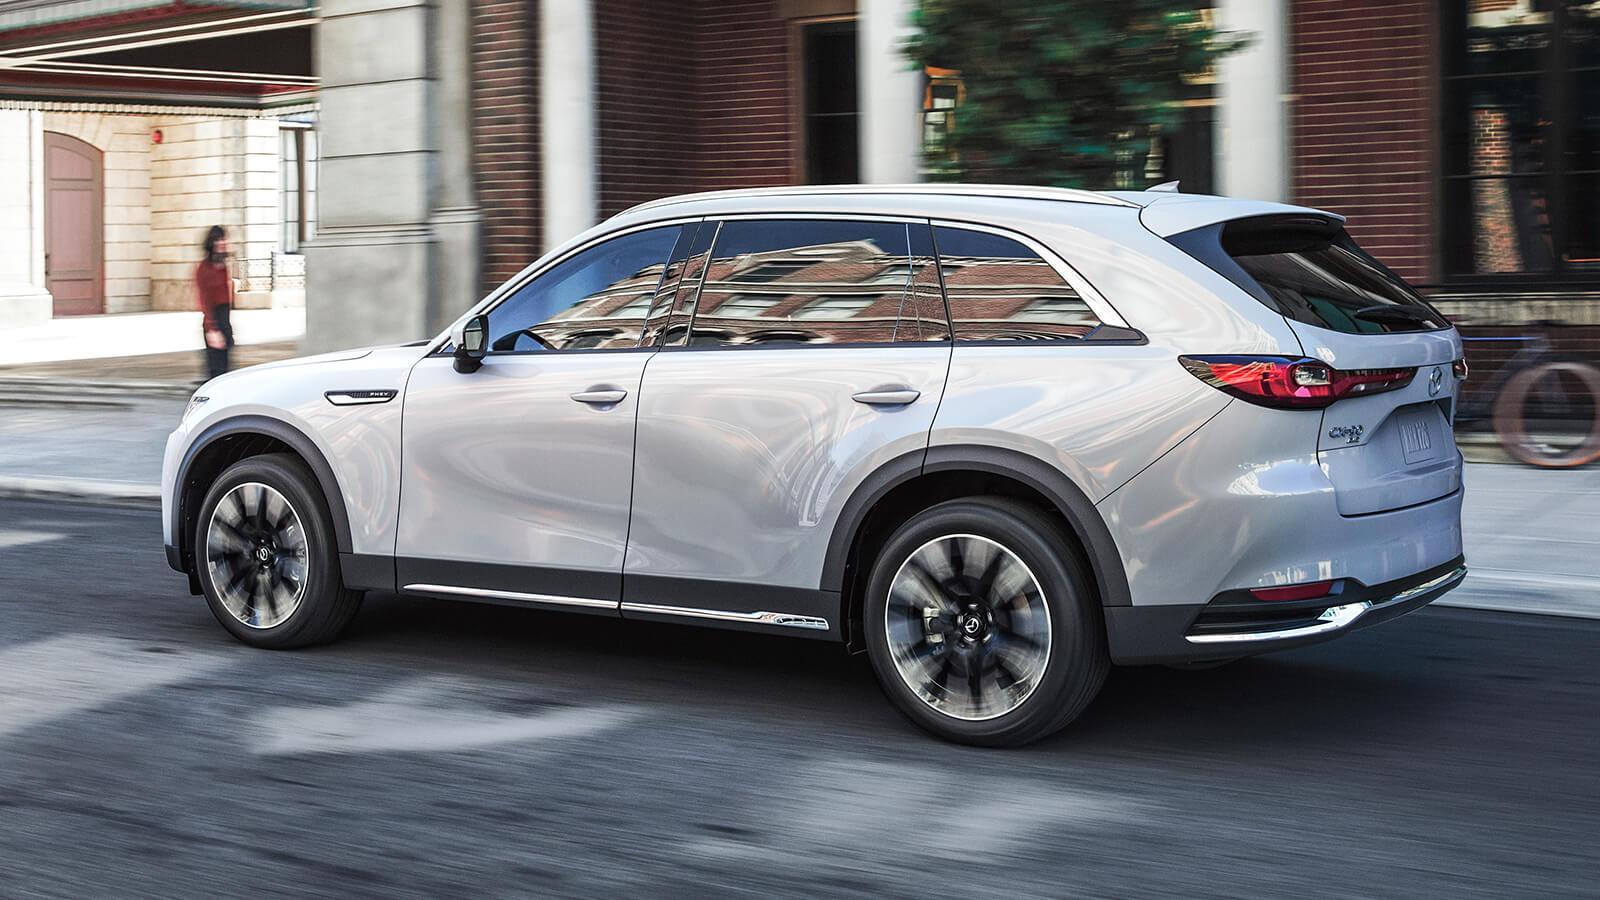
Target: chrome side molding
(486, 594)
(1334, 618)
(783, 620)
(776, 619)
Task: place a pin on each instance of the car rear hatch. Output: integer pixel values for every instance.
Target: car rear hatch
(1388, 442)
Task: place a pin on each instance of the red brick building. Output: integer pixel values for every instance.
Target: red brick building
(687, 95)
(1458, 136)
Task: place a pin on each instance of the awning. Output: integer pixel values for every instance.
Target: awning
(223, 53)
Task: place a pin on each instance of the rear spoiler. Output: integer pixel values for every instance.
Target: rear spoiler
(1172, 214)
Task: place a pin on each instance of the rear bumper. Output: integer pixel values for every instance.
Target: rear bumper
(1164, 634)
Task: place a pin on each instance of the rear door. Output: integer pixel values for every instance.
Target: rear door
(814, 351)
(1385, 450)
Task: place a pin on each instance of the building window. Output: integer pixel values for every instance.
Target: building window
(832, 106)
(1522, 138)
(297, 186)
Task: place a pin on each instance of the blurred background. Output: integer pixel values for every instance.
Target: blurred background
(381, 164)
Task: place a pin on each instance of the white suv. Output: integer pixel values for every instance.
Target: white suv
(998, 438)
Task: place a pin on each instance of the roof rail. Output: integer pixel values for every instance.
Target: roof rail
(1016, 191)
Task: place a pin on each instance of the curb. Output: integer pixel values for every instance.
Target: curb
(124, 494)
(34, 387)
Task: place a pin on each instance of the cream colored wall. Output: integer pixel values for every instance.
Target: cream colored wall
(212, 172)
(23, 298)
(125, 142)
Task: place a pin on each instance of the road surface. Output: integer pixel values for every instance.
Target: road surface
(448, 749)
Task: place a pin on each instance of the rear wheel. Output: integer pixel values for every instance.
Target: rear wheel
(266, 556)
(982, 625)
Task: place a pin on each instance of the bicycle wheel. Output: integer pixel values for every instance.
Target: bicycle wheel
(1549, 414)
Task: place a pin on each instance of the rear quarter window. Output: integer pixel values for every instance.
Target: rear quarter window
(1000, 290)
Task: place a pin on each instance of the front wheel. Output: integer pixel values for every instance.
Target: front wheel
(982, 625)
(266, 556)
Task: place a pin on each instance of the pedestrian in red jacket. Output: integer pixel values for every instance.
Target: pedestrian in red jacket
(215, 291)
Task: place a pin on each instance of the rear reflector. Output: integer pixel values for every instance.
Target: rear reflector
(1286, 382)
(1294, 591)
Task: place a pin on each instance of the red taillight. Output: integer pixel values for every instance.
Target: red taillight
(1288, 382)
(1294, 591)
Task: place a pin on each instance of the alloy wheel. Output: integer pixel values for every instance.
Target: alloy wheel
(256, 555)
(968, 627)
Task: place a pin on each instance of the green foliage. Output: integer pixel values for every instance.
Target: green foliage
(1061, 92)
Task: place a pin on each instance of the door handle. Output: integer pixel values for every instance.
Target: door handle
(887, 397)
(600, 397)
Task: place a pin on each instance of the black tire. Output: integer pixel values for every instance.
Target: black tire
(305, 568)
(1074, 658)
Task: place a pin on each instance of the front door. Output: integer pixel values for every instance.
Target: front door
(517, 478)
(815, 353)
(74, 226)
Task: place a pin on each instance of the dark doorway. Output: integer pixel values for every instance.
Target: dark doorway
(74, 225)
(832, 107)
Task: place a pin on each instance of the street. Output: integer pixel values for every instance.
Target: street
(448, 748)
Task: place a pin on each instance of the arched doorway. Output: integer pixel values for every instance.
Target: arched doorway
(74, 225)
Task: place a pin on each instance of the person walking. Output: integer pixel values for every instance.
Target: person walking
(215, 290)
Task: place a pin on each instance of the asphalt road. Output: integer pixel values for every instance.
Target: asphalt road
(447, 749)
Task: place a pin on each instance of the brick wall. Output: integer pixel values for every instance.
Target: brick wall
(693, 95)
(1362, 72)
(743, 56)
(648, 118)
(505, 90)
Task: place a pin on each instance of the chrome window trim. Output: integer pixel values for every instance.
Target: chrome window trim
(779, 619)
(552, 599)
(1334, 618)
(1091, 295)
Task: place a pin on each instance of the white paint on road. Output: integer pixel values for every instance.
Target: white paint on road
(56, 678)
(1510, 590)
(905, 810)
(12, 538)
(426, 715)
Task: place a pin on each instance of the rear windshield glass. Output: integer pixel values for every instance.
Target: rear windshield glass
(1310, 270)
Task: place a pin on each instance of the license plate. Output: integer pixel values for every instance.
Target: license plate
(1417, 438)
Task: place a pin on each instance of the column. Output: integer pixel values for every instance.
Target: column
(568, 142)
(891, 94)
(457, 222)
(24, 300)
(1253, 125)
(370, 268)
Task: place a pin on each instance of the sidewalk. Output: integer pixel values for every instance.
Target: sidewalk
(140, 334)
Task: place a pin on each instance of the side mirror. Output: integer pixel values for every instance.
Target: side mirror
(470, 339)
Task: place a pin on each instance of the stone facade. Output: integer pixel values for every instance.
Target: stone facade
(159, 198)
(213, 172)
(23, 298)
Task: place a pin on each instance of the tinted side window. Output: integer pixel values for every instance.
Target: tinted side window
(596, 300)
(999, 290)
(803, 282)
